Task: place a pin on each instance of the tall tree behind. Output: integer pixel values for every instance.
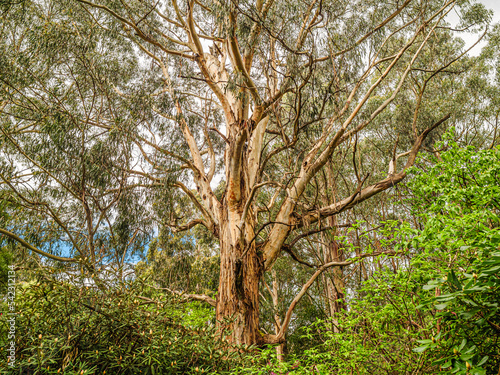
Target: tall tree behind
(64, 177)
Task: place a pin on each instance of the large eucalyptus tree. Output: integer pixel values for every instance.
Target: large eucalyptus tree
(263, 95)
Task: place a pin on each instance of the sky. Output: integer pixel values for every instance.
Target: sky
(472, 38)
(493, 4)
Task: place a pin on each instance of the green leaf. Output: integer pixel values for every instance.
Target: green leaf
(446, 364)
(421, 349)
(464, 342)
(441, 306)
(482, 361)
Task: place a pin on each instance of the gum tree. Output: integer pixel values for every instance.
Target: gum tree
(264, 95)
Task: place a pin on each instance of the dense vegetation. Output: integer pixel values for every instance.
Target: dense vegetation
(437, 311)
(233, 187)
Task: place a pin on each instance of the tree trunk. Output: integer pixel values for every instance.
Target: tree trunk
(280, 349)
(332, 252)
(240, 266)
(238, 296)
(334, 282)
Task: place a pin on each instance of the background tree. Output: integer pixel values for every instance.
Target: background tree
(66, 182)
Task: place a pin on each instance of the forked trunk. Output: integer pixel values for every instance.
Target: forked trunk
(240, 266)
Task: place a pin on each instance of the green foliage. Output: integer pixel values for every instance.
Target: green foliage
(56, 63)
(376, 335)
(459, 201)
(6, 256)
(185, 261)
(128, 328)
(5, 260)
(75, 85)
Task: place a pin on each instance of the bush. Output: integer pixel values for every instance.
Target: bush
(395, 325)
(460, 202)
(128, 328)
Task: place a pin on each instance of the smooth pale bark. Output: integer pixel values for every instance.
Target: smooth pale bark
(280, 348)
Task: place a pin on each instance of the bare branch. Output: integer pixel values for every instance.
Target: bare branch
(191, 297)
(139, 32)
(376, 188)
(280, 336)
(187, 226)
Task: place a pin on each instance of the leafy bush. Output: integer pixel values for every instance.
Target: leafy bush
(376, 335)
(459, 199)
(128, 328)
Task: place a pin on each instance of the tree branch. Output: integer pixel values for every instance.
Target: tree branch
(191, 297)
(376, 188)
(34, 249)
(271, 339)
(187, 226)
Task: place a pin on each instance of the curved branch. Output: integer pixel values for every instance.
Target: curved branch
(371, 32)
(208, 215)
(239, 64)
(314, 231)
(34, 249)
(280, 336)
(250, 199)
(187, 226)
(139, 32)
(369, 191)
(288, 249)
